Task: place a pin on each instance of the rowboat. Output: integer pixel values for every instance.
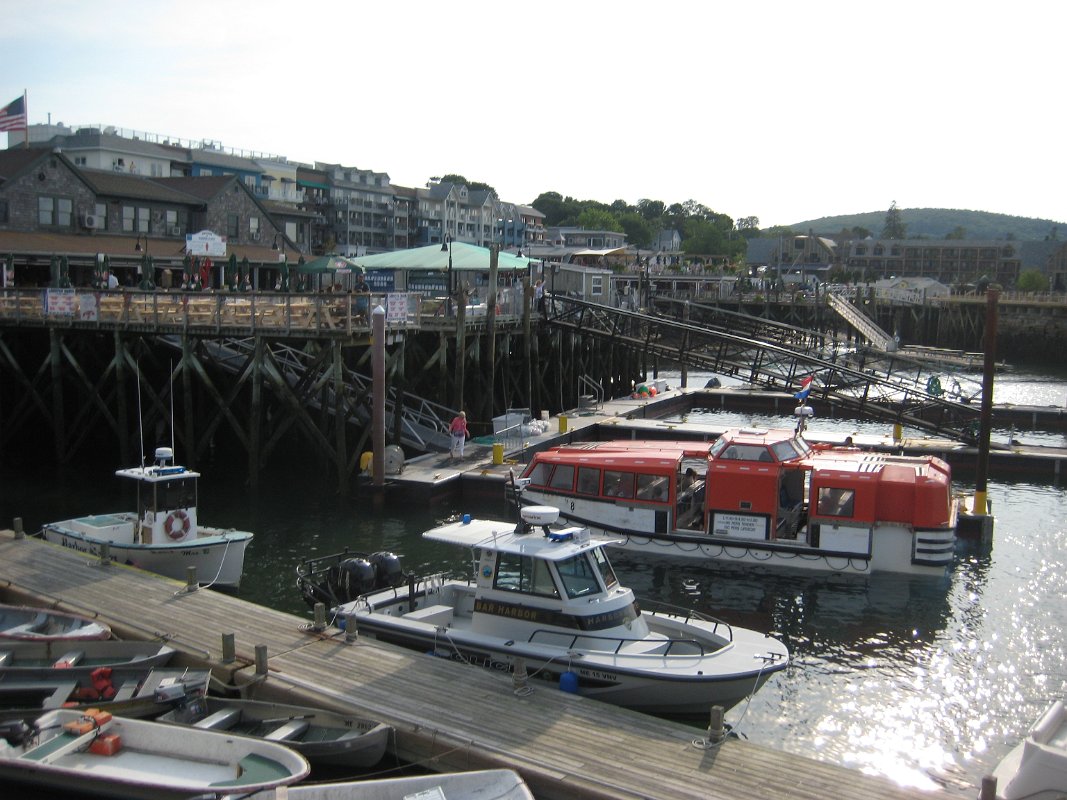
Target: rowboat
(489, 784)
(1036, 768)
(320, 736)
(19, 656)
(129, 691)
(130, 758)
(164, 534)
(24, 623)
(547, 600)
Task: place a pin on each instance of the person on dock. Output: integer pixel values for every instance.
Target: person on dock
(459, 432)
(539, 298)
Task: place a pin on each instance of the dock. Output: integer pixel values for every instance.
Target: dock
(447, 716)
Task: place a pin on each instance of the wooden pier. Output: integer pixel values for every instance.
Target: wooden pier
(447, 716)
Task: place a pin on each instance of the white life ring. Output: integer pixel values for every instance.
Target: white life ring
(177, 524)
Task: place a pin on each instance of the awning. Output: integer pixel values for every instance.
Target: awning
(607, 252)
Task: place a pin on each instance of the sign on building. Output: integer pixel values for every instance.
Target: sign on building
(205, 243)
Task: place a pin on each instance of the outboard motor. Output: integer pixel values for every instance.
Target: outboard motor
(15, 732)
(387, 569)
(351, 578)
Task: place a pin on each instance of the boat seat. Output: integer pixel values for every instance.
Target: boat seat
(126, 691)
(289, 731)
(223, 719)
(438, 615)
(68, 660)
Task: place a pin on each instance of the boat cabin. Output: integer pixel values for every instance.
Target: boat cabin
(166, 499)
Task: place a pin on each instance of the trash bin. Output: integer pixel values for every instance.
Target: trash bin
(498, 453)
(562, 423)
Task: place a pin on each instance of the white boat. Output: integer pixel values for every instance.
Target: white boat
(28, 624)
(756, 496)
(547, 601)
(1036, 769)
(95, 752)
(17, 656)
(319, 735)
(487, 784)
(164, 534)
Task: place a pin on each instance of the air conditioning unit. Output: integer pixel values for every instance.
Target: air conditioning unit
(175, 230)
(254, 236)
(90, 221)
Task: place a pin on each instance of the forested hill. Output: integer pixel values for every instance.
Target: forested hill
(939, 223)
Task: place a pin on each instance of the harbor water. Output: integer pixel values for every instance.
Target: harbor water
(928, 682)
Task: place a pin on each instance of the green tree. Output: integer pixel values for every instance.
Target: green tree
(474, 185)
(1032, 280)
(894, 224)
(598, 219)
(639, 231)
(959, 232)
(651, 210)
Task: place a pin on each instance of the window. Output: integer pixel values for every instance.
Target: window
(596, 285)
(172, 219)
(128, 213)
(578, 575)
(143, 220)
(836, 502)
(233, 226)
(588, 480)
(652, 487)
(253, 226)
(55, 211)
(100, 212)
(563, 477)
(79, 161)
(618, 484)
(515, 573)
(3, 212)
(606, 572)
(539, 474)
(135, 219)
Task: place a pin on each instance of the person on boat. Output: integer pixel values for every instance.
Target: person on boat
(459, 433)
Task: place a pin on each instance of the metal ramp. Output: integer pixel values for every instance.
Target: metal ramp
(863, 382)
(422, 425)
(862, 323)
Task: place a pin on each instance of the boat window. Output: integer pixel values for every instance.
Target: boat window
(718, 447)
(745, 452)
(588, 480)
(618, 484)
(578, 575)
(606, 572)
(175, 494)
(515, 573)
(539, 474)
(563, 477)
(652, 487)
(836, 502)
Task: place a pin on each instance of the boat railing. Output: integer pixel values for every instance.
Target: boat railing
(693, 647)
(656, 608)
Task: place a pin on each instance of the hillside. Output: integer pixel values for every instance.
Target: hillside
(936, 223)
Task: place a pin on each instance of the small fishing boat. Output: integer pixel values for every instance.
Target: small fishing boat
(27, 624)
(488, 784)
(1036, 769)
(96, 752)
(756, 496)
(551, 603)
(320, 736)
(164, 534)
(84, 655)
(126, 690)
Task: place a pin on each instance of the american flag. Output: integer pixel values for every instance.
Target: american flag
(13, 115)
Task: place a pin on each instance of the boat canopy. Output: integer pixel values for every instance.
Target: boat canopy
(561, 544)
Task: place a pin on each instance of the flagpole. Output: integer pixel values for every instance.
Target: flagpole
(25, 120)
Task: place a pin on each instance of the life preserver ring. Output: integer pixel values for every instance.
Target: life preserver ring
(176, 524)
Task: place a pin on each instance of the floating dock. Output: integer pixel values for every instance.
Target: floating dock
(447, 716)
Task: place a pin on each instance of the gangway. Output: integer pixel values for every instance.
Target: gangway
(860, 381)
(862, 323)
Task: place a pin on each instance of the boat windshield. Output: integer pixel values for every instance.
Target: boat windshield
(607, 574)
(579, 575)
(178, 493)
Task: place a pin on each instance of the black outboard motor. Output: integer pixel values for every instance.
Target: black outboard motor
(387, 569)
(351, 578)
(15, 732)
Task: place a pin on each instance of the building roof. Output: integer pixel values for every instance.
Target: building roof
(14, 161)
(136, 187)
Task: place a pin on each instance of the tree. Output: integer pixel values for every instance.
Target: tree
(473, 185)
(894, 225)
(639, 231)
(651, 210)
(959, 232)
(597, 219)
(1032, 280)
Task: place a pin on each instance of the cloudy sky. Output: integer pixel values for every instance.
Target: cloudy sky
(786, 111)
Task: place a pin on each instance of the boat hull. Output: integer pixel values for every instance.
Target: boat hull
(495, 784)
(18, 657)
(218, 558)
(27, 624)
(1036, 769)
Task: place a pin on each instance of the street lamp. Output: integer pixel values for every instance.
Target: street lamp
(446, 246)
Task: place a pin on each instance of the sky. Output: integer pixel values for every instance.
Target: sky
(783, 111)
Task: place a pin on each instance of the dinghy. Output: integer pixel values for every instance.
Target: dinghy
(24, 623)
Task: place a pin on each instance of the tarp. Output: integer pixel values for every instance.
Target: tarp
(467, 257)
(331, 263)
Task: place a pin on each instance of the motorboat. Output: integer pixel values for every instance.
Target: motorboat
(1036, 768)
(756, 496)
(28, 624)
(321, 736)
(164, 534)
(486, 784)
(546, 602)
(94, 751)
(86, 655)
(130, 691)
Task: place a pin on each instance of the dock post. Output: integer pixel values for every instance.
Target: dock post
(21, 534)
(105, 554)
(229, 648)
(518, 674)
(261, 660)
(989, 788)
(319, 624)
(191, 584)
(351, 633)
(716, 730)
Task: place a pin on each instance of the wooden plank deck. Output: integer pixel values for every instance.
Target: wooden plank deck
(447, 716)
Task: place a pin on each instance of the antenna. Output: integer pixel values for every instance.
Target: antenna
(140, 414)
(172, 406)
